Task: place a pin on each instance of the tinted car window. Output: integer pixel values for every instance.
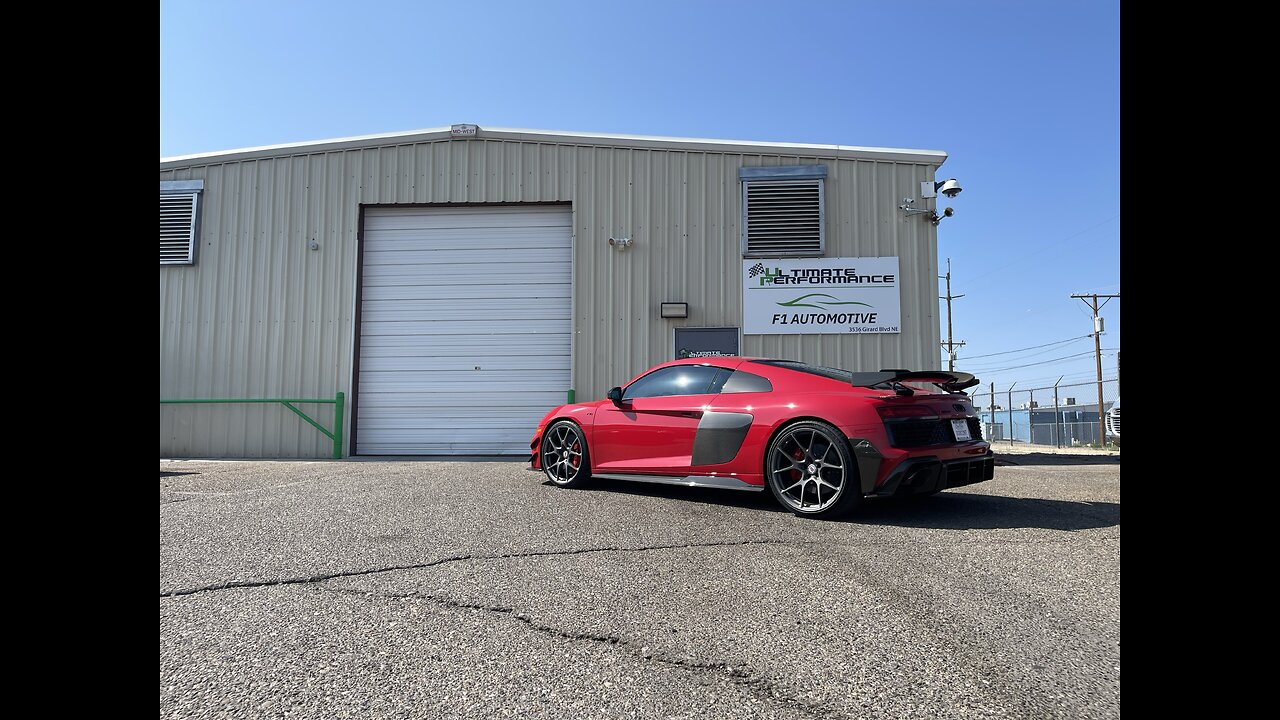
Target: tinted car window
(717, 384)
(745, 382)
(677, 380)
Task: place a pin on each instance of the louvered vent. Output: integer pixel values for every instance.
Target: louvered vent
(177, 228)
(783, 218)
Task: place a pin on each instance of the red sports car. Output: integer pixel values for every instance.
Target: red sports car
(821, 439)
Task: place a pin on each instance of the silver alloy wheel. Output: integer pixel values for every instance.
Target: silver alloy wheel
(807, 469)
(562, 454)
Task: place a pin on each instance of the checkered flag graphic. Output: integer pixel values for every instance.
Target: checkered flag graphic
(755, 270)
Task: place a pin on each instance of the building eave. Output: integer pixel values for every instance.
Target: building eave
(934, 158)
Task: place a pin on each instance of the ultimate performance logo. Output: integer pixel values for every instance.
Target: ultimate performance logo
(819, 276)
(831, 295)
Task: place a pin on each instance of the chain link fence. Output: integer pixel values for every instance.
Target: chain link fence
(1057, 416)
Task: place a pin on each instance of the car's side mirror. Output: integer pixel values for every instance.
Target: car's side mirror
(615, 395)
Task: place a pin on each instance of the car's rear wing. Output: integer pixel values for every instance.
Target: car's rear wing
(950, 381)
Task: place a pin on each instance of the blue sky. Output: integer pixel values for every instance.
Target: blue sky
(1025, 96)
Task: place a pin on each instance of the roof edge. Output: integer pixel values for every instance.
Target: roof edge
(927, 157)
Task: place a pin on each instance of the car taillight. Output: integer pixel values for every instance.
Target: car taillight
(895, 412)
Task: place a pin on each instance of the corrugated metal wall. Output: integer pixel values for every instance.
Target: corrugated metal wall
(262, 315)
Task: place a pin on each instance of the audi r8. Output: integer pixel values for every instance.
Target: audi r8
(821, 439)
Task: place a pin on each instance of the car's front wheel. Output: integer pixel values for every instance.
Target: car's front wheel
(564, 455)
(810, 470)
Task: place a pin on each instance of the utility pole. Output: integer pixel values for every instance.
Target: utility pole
(1092, 302)
(949, 344)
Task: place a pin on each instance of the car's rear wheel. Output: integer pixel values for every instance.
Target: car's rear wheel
(810, 470)
(564, 455)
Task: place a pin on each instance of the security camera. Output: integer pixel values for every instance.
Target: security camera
(950, 187)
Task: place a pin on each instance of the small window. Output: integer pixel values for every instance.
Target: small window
(718, 383)
(783, 211)
(179, 211)
(745, 382)
(675, 380)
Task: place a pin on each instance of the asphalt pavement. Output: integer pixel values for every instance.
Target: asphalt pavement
(423, 589)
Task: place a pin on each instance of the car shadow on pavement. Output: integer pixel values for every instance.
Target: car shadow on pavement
(1054, 459)
(968, 511)
(944, 511)
(708, 496)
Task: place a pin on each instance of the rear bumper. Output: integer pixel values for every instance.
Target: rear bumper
(882, 467)
(930, 474)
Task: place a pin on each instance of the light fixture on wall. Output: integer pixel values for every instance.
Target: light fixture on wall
(929, 189)
(908, 207)
(674, 310)
(620, 243)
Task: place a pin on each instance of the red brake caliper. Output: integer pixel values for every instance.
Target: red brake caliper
(577, 459)
(797, 455)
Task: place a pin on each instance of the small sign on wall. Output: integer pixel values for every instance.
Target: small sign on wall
(706, 342)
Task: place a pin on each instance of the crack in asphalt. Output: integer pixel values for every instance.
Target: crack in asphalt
(739, 674)
(309, 579)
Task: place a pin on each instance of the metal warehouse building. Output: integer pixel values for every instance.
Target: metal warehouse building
(455, 284)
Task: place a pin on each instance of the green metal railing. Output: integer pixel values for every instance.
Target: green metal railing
(339, 404)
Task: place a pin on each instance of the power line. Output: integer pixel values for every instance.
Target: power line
(1033, 347)
(1064, 385)
(1068, 379)
(1041, 363)
(1077, 356)
(1051, 380)
(1025, 357)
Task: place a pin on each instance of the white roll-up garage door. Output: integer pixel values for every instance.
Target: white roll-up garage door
(464, 330)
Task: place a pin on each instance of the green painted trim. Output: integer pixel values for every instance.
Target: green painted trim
(339, 403)
(307, 417)
(339, 408)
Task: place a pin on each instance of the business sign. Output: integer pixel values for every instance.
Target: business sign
(821, 296)
(706, 342)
